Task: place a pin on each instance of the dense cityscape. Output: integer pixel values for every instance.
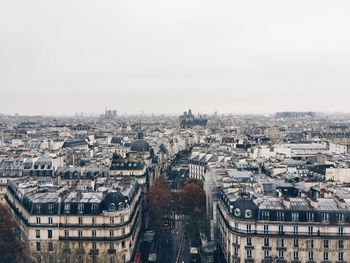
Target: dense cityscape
(187, 188)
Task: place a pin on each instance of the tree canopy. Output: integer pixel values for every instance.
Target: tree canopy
(11, 247)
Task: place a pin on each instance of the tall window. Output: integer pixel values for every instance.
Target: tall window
(280, 216)
(38, 220)
(80, 220)
(50, 220)
(266, 253)
(311, 255)
(266, 242)
(296, 255)
(325, 243)
(266, 229)
(311, 230)
(38, 246)
(340, 243)
(296, 242)
(325, 255)
(49, 233)
(249, 228)
(280, 229)
(341, 231)
(93, 233)
(295, 230)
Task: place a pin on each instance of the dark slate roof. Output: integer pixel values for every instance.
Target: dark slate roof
(139, 146)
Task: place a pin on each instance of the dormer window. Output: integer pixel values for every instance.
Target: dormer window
(80, 208)
(340, 218)
(265, 215)
(67, 208)
(111, 207)
(38, 208)
(50, 206)
(237, 212)
(325, 217)
(248, 213)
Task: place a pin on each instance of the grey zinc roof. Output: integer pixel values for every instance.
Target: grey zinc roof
(299, 204)
(327, 204)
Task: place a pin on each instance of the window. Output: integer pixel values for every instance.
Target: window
(249, 228)
(310, 217)
(123, 231)
(237, 212)
(340, 256)
(93, 220)
(49, 233)
(38, 208)
(236, 226)
(50, 208)
(310, 243)
(295, 216)
(66, 233)
(94, 208)
(281, 254)
(340, 218)
(122, 219)
(38, 246)
(266, 242)
(340, 243)
(111, 233)
(341, 231)
(236, 251)
(266, 253)
(248, 213)
(111, 259)
(111, 220)
(249, 253)
(50, 220)
(266, 229)
(37, 233)
(325, 243)
(280, 242)
(296, 242)
(311, 255)
(67, 208)
(123, 244)
(80, 220)
(310, 230)
(295, 230)
(296, 255)
(38, 220)
(94, 246)
(111, 246)
(249, 241)
(81, 245)
(265, 215)
(93, 233)
(50, 246)
(280, 229)
(280, 216)
(325, 255)
(325, 217)
(80, 233)
(81, 208)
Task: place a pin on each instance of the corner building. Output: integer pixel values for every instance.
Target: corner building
(276, 229)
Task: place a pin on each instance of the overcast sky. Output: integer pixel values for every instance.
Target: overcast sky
(246, 56)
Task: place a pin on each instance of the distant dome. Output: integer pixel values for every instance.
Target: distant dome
(139, 146)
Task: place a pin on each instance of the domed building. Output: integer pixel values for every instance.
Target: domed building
(139, 146)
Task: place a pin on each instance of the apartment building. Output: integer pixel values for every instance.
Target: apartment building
(270, 229)
(72, 224)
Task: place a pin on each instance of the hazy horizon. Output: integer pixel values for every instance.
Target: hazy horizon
(243, 57)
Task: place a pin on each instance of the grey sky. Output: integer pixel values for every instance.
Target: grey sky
(62, 57)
